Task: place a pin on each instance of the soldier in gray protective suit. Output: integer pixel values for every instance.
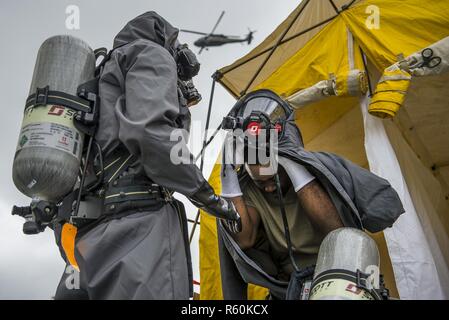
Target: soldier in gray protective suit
(138, 248)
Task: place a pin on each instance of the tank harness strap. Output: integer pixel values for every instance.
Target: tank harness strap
(45, 96)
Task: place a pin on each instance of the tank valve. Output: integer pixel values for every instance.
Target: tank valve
(38, 216)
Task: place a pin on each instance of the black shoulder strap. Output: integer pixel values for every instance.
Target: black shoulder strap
(103, 52)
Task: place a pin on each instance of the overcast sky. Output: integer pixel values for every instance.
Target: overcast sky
(30, 266)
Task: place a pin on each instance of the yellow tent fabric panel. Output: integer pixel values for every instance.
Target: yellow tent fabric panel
(210, 278)
(317, 117)
(403, 28)
(342, 134)
(257, 293)
(315, 15)
(312, 63)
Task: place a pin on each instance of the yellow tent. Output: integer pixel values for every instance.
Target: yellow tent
(309, 60)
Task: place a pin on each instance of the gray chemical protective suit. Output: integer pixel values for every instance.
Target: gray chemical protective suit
(363, 201)
(141, 254)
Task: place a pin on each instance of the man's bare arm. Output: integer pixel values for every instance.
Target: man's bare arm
(319, 207)
(250, 223)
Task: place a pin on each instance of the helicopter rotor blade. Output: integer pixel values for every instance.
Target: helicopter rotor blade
(194, 32)
(218, 21)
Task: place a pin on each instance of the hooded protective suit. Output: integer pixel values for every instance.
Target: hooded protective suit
(363, 200)
(141, 253)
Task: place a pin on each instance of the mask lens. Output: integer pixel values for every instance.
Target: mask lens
(270, 107)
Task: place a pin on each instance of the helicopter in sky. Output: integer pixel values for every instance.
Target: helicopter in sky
(215, 40)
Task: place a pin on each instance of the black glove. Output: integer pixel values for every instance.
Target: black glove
(206, 199)
(233, 226)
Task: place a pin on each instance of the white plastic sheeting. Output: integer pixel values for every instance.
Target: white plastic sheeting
(420, 271)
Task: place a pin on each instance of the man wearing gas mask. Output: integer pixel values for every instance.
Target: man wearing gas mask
(137, 248)
(288, 198)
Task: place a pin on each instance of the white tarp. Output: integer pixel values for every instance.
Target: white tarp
(419, 268)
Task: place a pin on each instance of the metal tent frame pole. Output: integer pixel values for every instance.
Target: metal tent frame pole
(205, 143)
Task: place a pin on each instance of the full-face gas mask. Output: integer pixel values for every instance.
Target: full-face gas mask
(257, 121)
(188, 67)
(259, 110)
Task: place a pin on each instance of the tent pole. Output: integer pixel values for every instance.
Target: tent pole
(274, 48)
(367, 73)
(208, 142)
(334, 6)
(347, 6)
(212, 91)
(211, 99)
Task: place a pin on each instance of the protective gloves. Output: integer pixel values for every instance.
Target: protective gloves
(297, 173)
(230, 186)
(233, 226)
(219, 207)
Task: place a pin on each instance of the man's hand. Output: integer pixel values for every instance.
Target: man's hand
(206, 199)
(230, 186)
(233, 226)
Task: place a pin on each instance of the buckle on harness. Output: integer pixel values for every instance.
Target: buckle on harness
(89, 118)
(167, 195)
(41, 92)
(362, 280)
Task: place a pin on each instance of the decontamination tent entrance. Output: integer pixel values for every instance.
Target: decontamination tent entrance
(328, 41)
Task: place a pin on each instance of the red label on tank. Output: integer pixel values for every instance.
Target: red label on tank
(56, 110)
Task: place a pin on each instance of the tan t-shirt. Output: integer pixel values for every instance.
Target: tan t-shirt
(305, 239)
